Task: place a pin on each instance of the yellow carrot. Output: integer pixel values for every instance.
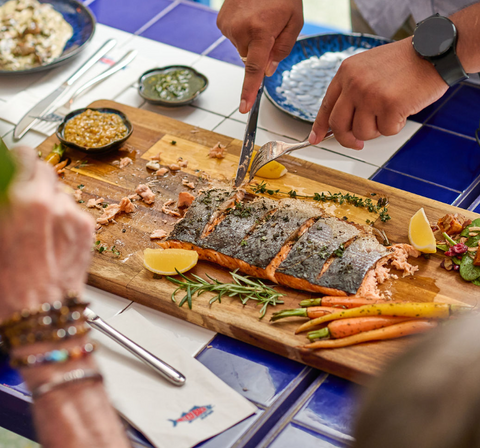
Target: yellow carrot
(392, 332)
(428, 310)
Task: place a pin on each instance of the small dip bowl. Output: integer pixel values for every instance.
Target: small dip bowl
(97, 149)
(172, 86)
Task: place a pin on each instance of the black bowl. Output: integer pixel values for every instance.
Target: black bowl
(99, 149)
(170, 103)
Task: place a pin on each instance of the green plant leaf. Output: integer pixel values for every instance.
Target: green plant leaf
(7, 171)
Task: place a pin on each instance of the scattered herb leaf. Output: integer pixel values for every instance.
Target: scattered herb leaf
(244, 288)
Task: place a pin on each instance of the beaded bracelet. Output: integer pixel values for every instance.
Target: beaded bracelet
(54, 356)
(74, 376)
(47, 335)
(71, 301)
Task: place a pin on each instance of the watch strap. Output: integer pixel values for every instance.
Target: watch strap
(450, 68)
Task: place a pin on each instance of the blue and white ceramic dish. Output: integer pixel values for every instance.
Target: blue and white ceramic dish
(319, 57)
(83, 24)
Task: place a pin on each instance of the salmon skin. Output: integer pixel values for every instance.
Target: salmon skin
(311, 252)
(288, 241)
(348, 271)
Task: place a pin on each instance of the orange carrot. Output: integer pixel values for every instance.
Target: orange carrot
(311, 312)
(391, 332)
(354, 325)
(341, 302)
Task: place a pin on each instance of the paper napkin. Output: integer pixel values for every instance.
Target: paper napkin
(167, 415)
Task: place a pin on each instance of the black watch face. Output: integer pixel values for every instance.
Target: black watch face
(434, 37)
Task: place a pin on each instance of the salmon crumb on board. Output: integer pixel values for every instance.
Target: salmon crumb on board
(188, 184)
(183, 163)
(162, 172)
(92, 203)
(158, 234)
(185, 199)
(217, 151)
(169, 211)
(174, 167)
(77, 195)
(147, 195)
(109, 213)
(156, 157)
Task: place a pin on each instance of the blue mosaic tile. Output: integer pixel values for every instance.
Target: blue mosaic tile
(190, 27)
(226, 52)
(228, 438)
(439, 157)
(15, 415)
(257, 374)
(416, 186)
(461, 113)
(424, 114)
(331, 408)
(127, 15)
(294, 436)
(10, 377)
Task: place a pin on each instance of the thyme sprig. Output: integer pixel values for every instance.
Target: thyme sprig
(379, 207)
(244, 288)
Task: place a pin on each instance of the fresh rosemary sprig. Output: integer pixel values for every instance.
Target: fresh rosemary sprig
(379, 207)
(244, 287)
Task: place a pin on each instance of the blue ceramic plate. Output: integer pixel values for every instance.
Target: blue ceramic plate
(304, 49)
(83, 24)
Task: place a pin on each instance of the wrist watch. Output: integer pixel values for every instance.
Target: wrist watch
(435, 39)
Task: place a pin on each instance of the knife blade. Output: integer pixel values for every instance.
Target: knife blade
(48, 104)
(249, 139)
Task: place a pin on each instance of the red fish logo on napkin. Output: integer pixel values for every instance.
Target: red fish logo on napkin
(193, 414)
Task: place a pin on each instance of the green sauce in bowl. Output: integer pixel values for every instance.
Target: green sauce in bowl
(172, 86)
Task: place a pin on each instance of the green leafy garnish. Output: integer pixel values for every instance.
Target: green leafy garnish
(468, 270)
(379, 207)
(7, 171)
(244, 288)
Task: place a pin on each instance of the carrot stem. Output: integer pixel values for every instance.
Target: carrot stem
(391, 332)
(302, 312)
(319, 334)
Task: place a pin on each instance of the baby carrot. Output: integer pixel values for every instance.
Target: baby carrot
(341, 302)
(406, 309)
(391, 332)
(311, 312)
(348, 327)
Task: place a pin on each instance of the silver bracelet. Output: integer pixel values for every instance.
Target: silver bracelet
(67, 378)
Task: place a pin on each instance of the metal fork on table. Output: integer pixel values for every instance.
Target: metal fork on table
(52, 120)
(273, 150)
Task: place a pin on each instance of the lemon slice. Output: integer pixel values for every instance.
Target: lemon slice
(272, 170)
(420, 233)
(165, 261)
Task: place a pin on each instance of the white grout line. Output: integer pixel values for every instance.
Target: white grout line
(162, 13)
(214, 45)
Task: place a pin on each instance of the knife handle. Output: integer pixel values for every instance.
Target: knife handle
(99, 54)
(129, 57)
(168, 372)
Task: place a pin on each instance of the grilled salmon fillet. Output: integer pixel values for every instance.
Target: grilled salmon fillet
(288, 241)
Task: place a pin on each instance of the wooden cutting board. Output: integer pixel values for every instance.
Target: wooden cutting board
(124, 274)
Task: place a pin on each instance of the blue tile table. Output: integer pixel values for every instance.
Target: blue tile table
(296, 405)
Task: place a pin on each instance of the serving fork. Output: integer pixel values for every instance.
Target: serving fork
(275, 149)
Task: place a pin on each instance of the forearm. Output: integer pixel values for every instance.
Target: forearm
(468, 46)
(74, 415)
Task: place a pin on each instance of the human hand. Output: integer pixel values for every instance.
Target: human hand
(374, 92)
(45, 239)
(262, 31)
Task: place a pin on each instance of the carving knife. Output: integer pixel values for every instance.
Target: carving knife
(46, 105)
(249, 139)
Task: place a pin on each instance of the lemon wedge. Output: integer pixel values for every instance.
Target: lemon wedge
(272, 170)
(420, 233)
(167, 261)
